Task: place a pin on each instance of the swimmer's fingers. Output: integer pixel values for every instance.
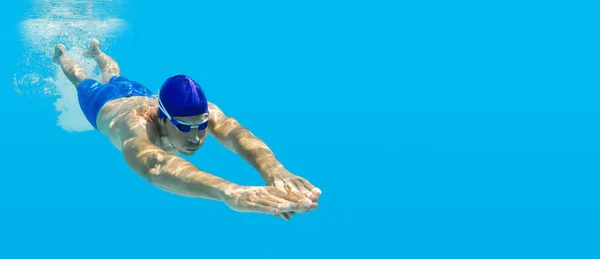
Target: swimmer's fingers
(289, 187)
(276, 205)
(292, 188)
(267, 206)
(279, 193)
(306, 192)
(309, 187)
(271, 199)
(252, 199)
(302, 207)
(290, 203)
(275, 200)
(288, 184)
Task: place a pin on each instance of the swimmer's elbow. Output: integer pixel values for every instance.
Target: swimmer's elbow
(223, 130)
(143, 157)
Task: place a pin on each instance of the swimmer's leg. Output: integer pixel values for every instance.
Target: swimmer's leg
(108, 66)
(73, 70)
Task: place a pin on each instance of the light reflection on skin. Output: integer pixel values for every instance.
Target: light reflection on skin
(228, 131)
(150, 145)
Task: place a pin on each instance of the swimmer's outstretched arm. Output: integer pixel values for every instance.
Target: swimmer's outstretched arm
(172, 173)
(176, 175)
(230, 133)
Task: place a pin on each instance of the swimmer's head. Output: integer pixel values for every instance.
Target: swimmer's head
(183, 105)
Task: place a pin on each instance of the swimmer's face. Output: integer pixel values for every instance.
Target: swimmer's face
(187, 142)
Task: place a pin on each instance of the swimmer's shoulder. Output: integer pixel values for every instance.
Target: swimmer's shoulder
(129, 117)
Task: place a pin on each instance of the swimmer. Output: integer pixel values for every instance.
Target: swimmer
(152, 130)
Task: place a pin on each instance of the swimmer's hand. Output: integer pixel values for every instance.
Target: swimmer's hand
(295, 185)
(265, 199)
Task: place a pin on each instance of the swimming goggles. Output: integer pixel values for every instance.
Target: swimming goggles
(180, 125)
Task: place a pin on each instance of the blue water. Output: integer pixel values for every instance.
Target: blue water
(435, 129)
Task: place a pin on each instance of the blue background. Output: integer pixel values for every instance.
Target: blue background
(435, 129)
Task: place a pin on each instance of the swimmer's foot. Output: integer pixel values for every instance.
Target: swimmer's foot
(59, 51)
(93, 50)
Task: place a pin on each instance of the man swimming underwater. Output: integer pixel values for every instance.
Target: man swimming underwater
(150, 132)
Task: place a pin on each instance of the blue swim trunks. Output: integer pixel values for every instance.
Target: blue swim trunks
(93, 95)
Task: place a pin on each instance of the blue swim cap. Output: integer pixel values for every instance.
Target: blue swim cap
(182, 97)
